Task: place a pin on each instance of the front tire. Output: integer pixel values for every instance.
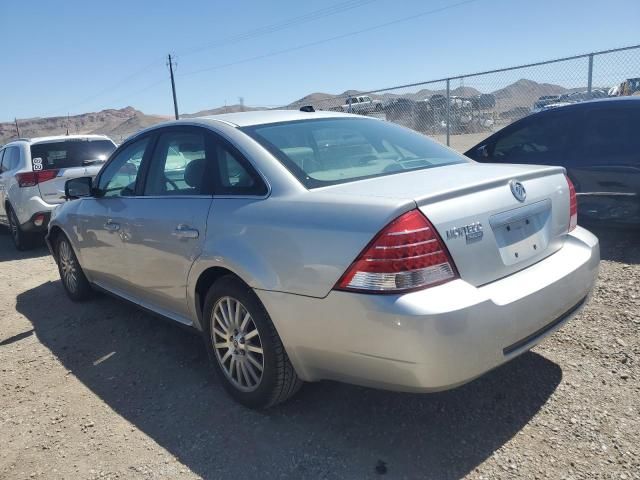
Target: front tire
(244, 347)
(73, 279)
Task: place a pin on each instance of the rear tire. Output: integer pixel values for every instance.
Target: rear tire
(21, 239)
(74, 281)
(244, 347)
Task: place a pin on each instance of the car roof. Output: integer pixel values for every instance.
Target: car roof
(262, 117)
(588, 103)
(58, 138)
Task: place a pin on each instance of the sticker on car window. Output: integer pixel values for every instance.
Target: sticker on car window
(37, 163)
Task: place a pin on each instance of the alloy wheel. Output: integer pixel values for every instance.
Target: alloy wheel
(68, 267)
(237, 344)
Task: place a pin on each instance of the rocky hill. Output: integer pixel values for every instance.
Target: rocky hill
(121, 123)
(115, 123)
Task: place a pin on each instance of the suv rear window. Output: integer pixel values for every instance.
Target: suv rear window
(321, 152)
(70, 153)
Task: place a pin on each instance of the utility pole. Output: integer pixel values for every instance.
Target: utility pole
(173, 87)
(241, 100)
(17, 128)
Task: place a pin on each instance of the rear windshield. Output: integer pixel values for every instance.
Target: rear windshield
(70, 153)
(323, 152)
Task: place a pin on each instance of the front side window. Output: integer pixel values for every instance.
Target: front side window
(178, 166)
(75, 152)
(537, 141)
(609, 136)
(323, 152)
(118, 179)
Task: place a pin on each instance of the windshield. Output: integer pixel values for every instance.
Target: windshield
(70, 153)
(323, 152)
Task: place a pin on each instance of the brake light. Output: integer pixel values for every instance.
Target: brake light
(407, 254)
(573, 205)
(31, 179)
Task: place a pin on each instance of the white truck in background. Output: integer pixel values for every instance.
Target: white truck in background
(362, 104)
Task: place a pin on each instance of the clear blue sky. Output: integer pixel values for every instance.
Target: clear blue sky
(80, 56)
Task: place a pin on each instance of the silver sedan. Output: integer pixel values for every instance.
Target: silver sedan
(319, 245)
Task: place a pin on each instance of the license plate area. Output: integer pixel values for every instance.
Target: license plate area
(523, 232)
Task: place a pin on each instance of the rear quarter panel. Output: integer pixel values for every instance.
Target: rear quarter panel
(298, 244)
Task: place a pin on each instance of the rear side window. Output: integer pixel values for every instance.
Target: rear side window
(322, 152)
(234, 175)
(70, 153)
(179, 164)
(610, 136)
(10, 159)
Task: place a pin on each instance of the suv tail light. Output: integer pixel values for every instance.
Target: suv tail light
(407, 254)
(31, 179)
(573, 205)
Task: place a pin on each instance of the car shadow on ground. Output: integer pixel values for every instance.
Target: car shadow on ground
(156, 376)
(8, 251)
(618, 244)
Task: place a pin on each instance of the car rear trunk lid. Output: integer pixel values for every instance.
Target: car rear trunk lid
(488, 231)
(70, 158)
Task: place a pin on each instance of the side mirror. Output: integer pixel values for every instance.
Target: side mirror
(78, 187)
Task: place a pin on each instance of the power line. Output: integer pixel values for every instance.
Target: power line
(278, 26)
(330, 39)
(110, 88)
(271, 28)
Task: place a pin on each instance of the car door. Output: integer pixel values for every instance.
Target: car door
(3, 215)
(606, 166)
(99, 219)
(10, 165)
(166, 225)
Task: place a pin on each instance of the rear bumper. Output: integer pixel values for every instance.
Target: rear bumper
(28, 205)
(436, 338)
(38, 223)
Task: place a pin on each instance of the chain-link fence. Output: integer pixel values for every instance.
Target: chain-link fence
(463, 110)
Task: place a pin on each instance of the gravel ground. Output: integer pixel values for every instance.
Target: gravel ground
(102, 390)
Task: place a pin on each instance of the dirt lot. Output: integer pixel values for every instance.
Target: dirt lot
(101, 390)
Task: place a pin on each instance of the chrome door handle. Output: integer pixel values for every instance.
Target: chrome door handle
(111, 226)
(185, 231)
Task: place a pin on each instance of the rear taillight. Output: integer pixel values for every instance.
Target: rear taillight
(31, 179)
(573, 205)
(407, 254)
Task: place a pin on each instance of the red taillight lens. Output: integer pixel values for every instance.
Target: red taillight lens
(407, 254)
(31, 179)
(573, 205)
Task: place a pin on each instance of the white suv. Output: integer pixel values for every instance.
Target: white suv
(32, 177)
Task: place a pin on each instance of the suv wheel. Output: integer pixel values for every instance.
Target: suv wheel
(21, 239)
(245, 348)
(73, 279)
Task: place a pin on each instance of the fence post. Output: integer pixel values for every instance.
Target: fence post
(590, 78)
(448, 110)
(349, 102)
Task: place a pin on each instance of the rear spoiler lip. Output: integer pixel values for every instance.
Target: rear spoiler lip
(539, 171)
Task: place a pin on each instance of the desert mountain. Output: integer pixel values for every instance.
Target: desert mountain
(115, 123)
(220, 110)
(120, 123)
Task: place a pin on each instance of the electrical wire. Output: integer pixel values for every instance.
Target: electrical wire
(278, 26)
(329, 39)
